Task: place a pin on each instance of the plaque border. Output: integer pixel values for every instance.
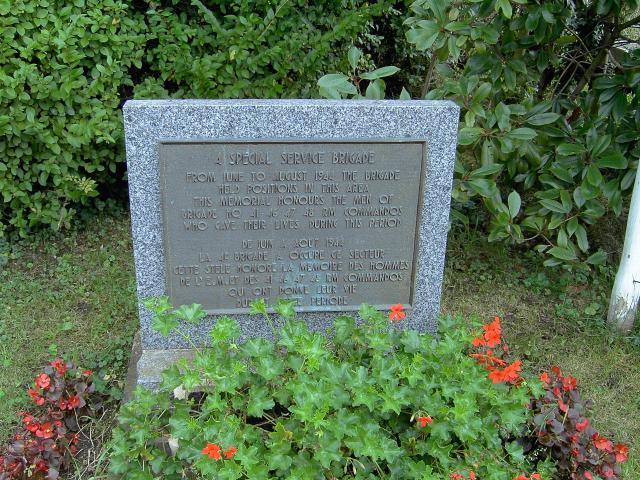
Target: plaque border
(302, 309)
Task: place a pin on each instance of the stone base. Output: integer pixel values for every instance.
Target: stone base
(146, 366)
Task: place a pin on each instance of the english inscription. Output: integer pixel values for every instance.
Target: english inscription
(331, 225)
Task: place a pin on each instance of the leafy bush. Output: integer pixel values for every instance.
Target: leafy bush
(561, 425)
(67, 66)
(374, 402)
(255, 49)
(549, 101)
(48, 438)
(63, 66)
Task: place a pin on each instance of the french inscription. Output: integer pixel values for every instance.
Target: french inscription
(331, 225)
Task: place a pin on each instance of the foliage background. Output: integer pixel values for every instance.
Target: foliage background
(66, 67)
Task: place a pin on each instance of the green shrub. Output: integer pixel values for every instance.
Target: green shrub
(254, 49)
(63, 66)
(373, 402)
(67, 66)
(549, 134)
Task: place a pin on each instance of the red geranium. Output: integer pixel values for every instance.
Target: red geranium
(601, 442)
(492, 332)
(39, 400)
(230, 452)
(396, 314)
(621, 451)
(582, 426)
(46, 430)
(43, 381)
(423, 421)
(59, 365)
(73, 402)
(569, 383)
(212, 451)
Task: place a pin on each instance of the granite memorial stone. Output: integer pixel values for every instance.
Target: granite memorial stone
(330, 203)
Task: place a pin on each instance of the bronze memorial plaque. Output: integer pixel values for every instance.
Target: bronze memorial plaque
(332, 224)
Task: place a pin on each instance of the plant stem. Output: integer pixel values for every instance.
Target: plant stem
(427, 80)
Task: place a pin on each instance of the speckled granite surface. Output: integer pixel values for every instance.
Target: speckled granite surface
(147, 122)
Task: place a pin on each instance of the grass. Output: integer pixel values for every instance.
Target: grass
(71, 297)
(75, 297)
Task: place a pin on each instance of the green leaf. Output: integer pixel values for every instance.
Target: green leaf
(514, 203)
(424, 34)
(487, 170)
(374, 90)
(522, 134)
(481, 93)
(225, 329)
(380, 73)
(259, 401)
(404, 95)
(613, 160)
(164, 324)
(566, 149)
(594, 177)
(505, 6)
(354, 56)
(543, 118)
(578, 197)
(502, 113)
(285, 308)
(482, 186)
(468, 135)
(597, 258)
(581, 237)
(191, 313)
(258, 307)
(553, 205)
(338, 82)
(566, 254)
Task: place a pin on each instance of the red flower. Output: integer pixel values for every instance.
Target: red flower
(535, 476)
(509, 374)
(396, 314)
(424, 420)
(73, 402)
(569, 383)
(545, 377)
(42, 466)
(521, 477)
(456, 476)
(621, 451)
(607, 471)
(492, 332)
(59, 365)
(212, 451)
(30, 423)
(556, 391)
(43, 381)
(588, 475)
(478, 342)
(601, 442)
(563, 406)
(88, 372)
(230, 452)
(556, 370)
(472, 475)
(36, 397)
(582, 426)
(45, 430)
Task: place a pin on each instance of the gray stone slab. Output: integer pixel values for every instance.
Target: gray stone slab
(152, 123)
